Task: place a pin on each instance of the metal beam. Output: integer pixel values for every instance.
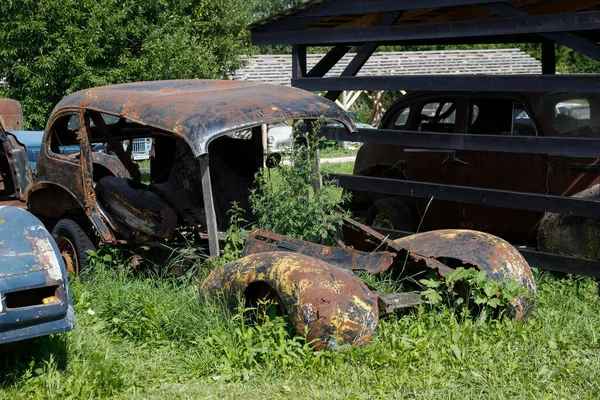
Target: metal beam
(559, 263)
(209, 207)
(510, 26)
(548, 58)
(298, 61)
(353, 7)
(554, 146)
(472, 195)
(586, 83)
(577, 43)
(288, 24)
(363, 54)
(328, 61)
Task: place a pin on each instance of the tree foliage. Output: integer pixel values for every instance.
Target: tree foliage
(51, 48)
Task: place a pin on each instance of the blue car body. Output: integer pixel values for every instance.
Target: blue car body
(32, 141)
(35, 299)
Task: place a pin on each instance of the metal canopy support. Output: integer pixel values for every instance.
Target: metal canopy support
(577, 43)
(548, 58)
(363, 54)
(554, 146)
(209, 207)
(353, 7)
(298, 61)
(484, 83)
(472, 195)
(508, 26)
(328, 61)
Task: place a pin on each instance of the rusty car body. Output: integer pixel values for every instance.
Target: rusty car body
(20, 150)
(34, 291)
(316, 287)
(199, 166)
(514, 114)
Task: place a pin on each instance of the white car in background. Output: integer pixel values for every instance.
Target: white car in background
(141, 148)
(279, 136)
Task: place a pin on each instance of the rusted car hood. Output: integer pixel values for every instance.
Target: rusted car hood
(200, 110)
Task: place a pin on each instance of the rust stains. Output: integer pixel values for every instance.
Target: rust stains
(329, 304)
(200, 110)
(347, 258)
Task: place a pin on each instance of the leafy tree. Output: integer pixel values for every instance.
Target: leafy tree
(51, 48)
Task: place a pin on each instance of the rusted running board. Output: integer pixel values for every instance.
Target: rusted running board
(388, 303)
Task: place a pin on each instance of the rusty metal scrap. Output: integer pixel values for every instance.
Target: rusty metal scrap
(261, 240)
(328, 304)
(11, 116)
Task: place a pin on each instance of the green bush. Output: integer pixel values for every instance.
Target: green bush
(469, 290)
(286, 202)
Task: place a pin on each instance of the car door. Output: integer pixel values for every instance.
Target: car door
(60, 160)
(439, 114)
(509, 116)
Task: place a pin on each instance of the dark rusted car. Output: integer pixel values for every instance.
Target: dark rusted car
(516, 114)
(197, 169)
(199, 166)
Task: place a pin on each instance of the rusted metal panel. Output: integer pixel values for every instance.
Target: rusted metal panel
(111, 163)
(139, 209)
(11, 116)
(34, 293)
(328, 304)
(461, 247)
(201, 110)
(347, 258)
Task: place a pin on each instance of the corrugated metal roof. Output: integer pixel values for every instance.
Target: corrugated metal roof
(277, 69)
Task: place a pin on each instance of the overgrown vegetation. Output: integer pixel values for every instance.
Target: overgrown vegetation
(143, 336)
(289, 205)
(470, 292)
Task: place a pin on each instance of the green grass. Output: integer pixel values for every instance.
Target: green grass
(151, 337)
(334, 152)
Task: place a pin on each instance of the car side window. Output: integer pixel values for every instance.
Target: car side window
(402, 119)
(438, 116)
(500, 116)
(522, 123)
(63, 137)
(576, 117)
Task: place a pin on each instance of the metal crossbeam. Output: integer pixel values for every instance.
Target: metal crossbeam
(586, 83)
(510, 26)
(464, 194)
(553, 146)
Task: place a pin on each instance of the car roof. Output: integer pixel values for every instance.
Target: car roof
(28, 138)
(201, 110)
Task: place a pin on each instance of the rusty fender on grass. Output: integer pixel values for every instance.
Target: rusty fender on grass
(329, 304)
(462, 247)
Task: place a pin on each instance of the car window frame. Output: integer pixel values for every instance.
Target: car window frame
(514, 97)
(47, 140)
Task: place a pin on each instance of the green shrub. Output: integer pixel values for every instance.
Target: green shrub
(470, 291)
(286, 202)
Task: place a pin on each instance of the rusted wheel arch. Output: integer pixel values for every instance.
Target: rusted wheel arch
(478, 249)
(336, 307)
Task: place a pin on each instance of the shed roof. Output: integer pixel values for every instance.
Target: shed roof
(488, 21)
(277, 69)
